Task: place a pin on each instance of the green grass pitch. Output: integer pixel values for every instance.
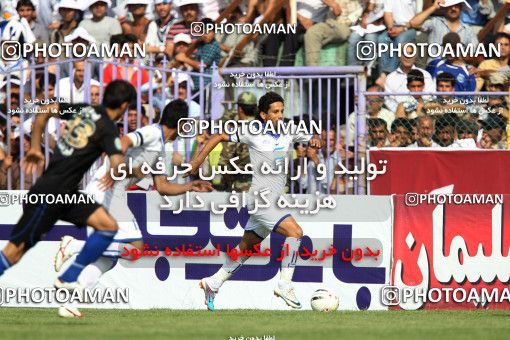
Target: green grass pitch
(43, 323)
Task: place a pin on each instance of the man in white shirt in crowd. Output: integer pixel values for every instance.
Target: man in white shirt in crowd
(466, 133)
(329, 157)
(155, 41)
(101, 26)
(377, 132)
(369, 29)
(26, 9)
(426, 130)
(74, 90)
(79, 36)
(396, 82)
(95, 95)
(211, 8)
(397, 15)
(375, 109)
(438, 26)
(413, 106)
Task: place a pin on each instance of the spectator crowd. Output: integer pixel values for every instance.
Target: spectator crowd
(396, 116)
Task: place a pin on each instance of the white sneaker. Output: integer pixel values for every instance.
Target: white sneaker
(209, 292)
(67, 311)
(288, 295)
(64, 252)
(70, 286)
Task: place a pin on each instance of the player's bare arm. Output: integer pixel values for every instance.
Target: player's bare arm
(172, 189)
(209, 146)
(34, 159)
(126, 143)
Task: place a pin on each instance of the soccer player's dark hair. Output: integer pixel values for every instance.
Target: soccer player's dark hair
(266, 100)
(27, 3)
(117, 93)
(446, 77)
(173, 112)
(415, 75)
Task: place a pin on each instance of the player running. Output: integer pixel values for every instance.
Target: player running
(89, 132)
(146, 146)
(271, 149)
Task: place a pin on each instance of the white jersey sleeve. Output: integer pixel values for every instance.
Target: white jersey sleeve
(301, 138)
(150, 137)
(242, 136)
(93, 186)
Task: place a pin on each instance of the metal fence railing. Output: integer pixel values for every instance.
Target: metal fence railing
(324, 94)
(350, 115)
(32, 84)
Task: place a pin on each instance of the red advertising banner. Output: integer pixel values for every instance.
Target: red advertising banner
(419, 171)
(450, 256)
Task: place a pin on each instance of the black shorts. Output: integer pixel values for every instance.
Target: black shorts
(38, 219)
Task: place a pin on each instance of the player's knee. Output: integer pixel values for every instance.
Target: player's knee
(137, 244)
(113, 226)
(103, 221)
(296, 232)
(13, 258)
(299, 233)
(109, 225)
(13, 253)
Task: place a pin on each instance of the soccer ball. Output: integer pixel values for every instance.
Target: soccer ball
(324, 300)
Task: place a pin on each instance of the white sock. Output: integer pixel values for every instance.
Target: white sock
(92, 273)
(227, 270)
(116, 249)
(289, 262)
